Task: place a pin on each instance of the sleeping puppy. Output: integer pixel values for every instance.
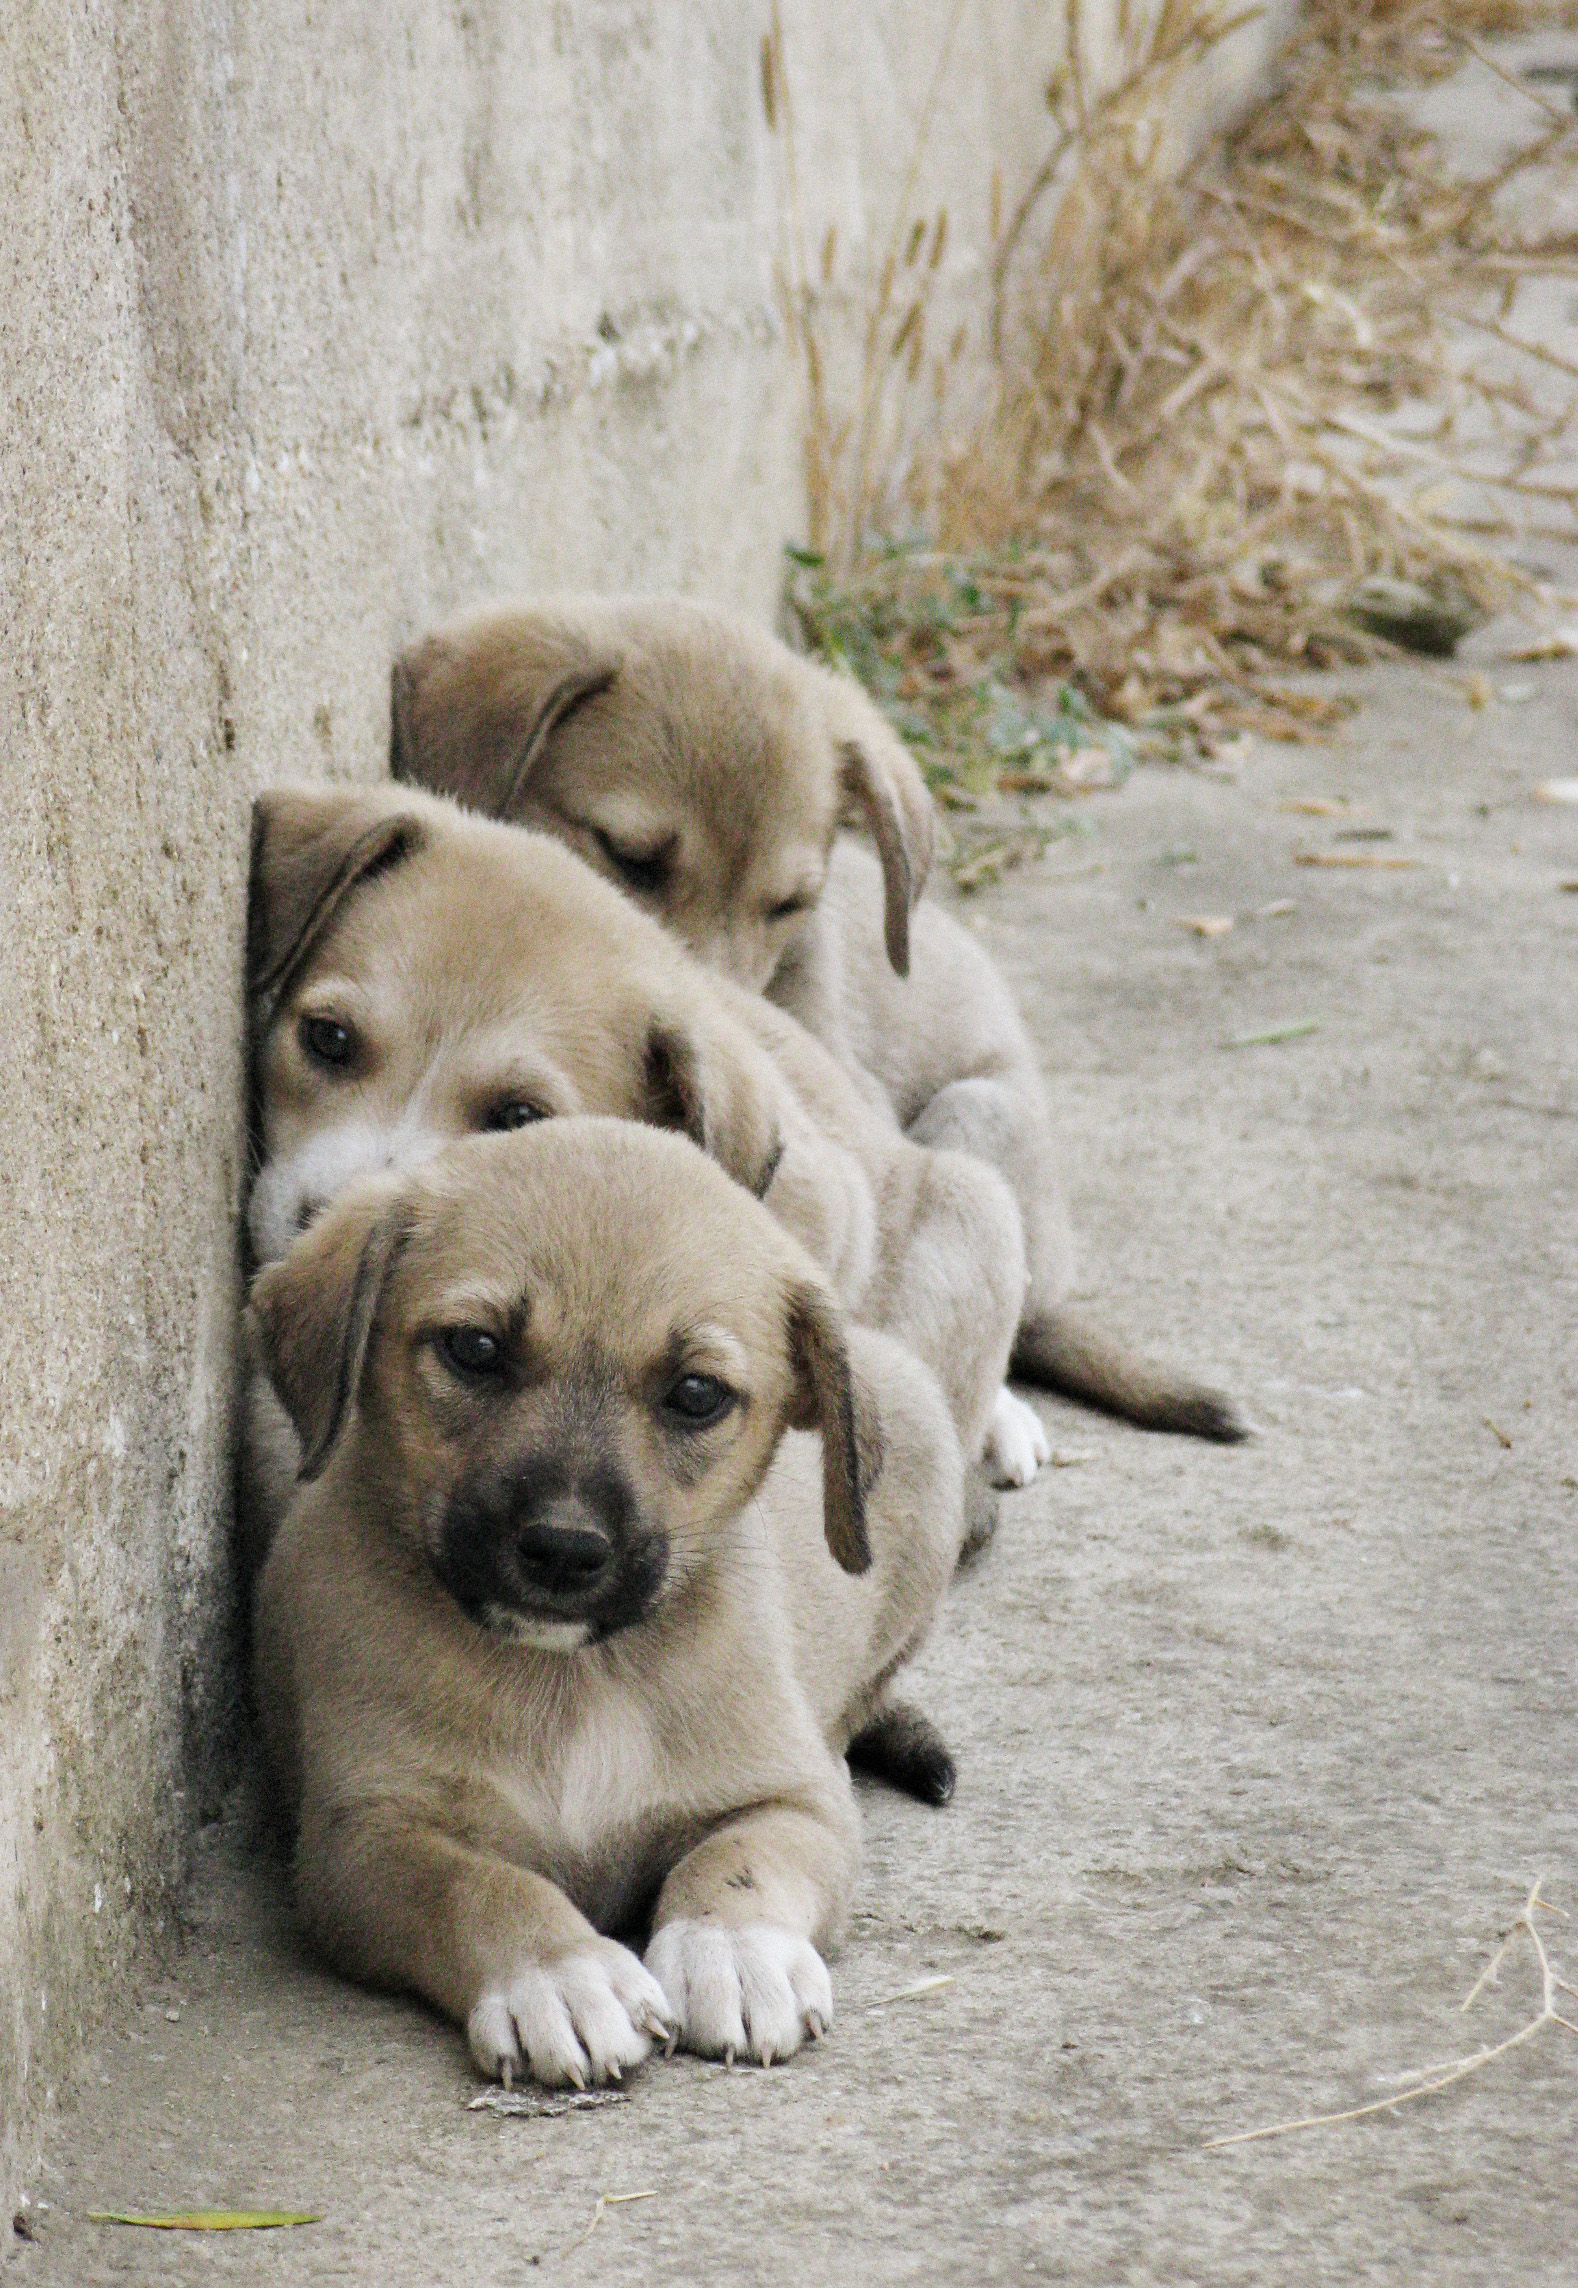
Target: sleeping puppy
(706, 768)
(571, 1620)
(418, 974)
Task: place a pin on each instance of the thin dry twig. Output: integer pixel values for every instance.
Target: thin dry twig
(604, 2201)
(1436, 2079)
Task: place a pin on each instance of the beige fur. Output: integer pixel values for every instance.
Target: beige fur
(706, 768)
(679, 749)
(539, 1656)
(480, 974)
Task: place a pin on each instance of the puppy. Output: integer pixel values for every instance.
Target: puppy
(704, 767)
(417, 974)
(570, 1622)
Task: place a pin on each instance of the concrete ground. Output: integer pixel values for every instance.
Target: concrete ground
(1259, 1749)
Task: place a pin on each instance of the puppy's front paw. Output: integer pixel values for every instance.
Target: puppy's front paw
(582, 2018)
(757, 1992)
(1016, 1443)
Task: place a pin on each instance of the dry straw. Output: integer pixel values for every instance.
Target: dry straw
(1191, 464)
(1430, 2081)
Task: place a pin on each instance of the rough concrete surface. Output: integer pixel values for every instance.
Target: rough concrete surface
(1259, 1749)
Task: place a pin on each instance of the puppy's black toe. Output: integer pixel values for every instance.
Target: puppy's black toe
(905, 1748)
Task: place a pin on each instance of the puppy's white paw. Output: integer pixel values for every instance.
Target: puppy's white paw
(1016, 1443)
(757, 1992)
(582, 2018)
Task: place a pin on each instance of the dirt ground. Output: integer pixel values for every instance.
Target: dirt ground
(1259, 1749)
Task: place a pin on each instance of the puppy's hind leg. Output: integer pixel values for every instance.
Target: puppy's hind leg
(983, 1513)
(953, 1283)
(902, 1746)
(1004, 1119)
(1016, 1442)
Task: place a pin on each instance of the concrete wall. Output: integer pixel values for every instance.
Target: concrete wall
(317, 321)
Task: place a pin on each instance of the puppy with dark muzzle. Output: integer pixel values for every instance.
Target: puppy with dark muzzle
(416, 974)
(609, 1537)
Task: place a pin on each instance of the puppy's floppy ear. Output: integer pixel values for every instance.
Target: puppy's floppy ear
(310, 849)
(825, 1399)
(881, 782)
(473, 708)
(717, 1095)
(313, 1312)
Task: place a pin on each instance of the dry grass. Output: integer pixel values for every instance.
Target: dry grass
(1429, 2081)
(1225, 401)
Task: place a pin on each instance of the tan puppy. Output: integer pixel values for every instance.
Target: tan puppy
(550, 1643)
(681, 750)
(418, 974)
(704, 767)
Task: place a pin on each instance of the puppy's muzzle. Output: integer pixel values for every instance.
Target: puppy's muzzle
(563, 1555)
(550, 1555)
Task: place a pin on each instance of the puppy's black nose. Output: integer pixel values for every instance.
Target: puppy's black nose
(561, 1552)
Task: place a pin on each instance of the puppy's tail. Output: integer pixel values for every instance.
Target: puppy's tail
(905, 1748)
(1060, 1350)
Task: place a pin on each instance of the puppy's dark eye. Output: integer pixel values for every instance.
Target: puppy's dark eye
(328, 1042)
(472, 1350)
(645, 870)
(800, 903)
(696, 1401)
(514, 1112)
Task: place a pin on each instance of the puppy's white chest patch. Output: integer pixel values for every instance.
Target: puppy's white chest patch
(604, 1776)
(591, 1806)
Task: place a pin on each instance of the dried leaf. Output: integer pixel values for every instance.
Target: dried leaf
(208, 2220)
(915, 1993)
(1269, 1035)
(1205, 925)
(1561, 643)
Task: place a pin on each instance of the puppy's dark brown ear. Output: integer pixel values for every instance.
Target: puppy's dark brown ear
(882, 784)
(474, 707)
(718, 1094)
(825, 1400)
(313, 1312)
(310, 848)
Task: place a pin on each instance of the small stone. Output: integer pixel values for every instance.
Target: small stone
(1425, 620)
